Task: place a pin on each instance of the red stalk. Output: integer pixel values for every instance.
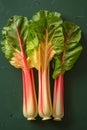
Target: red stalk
(58, 100)
(29, 95)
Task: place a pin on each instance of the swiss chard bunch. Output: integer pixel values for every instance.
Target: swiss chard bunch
(34, 43)
(59, 42)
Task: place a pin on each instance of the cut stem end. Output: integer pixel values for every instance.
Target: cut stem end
(57, 119)
(31, 118)
(46, 118)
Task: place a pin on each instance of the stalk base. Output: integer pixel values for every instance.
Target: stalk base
(57, 119)
(31, 118)
(46, 118)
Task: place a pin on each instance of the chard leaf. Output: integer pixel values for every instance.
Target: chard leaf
(46, 36)
(72, 48)
(11, 44)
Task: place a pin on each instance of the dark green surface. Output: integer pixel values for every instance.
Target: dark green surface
(11, 117)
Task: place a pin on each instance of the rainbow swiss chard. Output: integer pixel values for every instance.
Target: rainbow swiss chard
(63, 63)
(14, 46)
(47, 39)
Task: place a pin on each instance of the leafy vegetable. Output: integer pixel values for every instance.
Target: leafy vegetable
(14, 46)
(33, 43)
(65, 62)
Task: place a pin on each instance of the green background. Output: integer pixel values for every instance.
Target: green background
(75, 118)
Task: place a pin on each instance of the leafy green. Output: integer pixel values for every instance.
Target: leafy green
(72, 48)
(43, 37)
(46, 36)
(10, 43)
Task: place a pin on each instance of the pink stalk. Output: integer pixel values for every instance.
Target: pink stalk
(58, 99)
(44, 99)
(29, 94)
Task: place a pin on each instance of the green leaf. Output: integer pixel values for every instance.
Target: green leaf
(10, 42)
(50, 22)
(72, 49)
(45, 33)
(7, 49)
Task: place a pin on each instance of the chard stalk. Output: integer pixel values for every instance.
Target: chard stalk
(44, 99)
(58, 99)
(29, 95)
(71, 52)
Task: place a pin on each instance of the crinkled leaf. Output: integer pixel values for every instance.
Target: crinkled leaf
(72, 48)
(46, 35)
(10, 42)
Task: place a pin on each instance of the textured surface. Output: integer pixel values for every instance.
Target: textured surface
(11, 117)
